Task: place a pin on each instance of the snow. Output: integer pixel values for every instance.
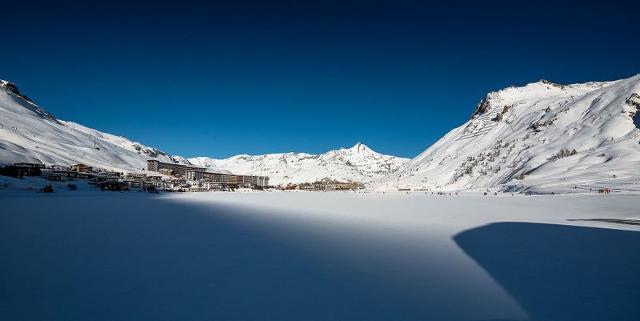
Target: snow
(520, 139)
(28, 133)
(358, 164)
(537, 121)
(317, 256)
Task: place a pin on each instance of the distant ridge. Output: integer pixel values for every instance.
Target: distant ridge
(358, 164)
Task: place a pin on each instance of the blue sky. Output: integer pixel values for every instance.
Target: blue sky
(225, 78)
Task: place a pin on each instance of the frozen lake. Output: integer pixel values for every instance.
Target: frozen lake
(317, 256)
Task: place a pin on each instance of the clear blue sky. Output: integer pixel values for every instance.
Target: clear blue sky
(233, 77)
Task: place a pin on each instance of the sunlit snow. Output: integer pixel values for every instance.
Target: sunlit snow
(317, 256)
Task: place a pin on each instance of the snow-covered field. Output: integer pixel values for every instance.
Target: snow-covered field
(317, 256)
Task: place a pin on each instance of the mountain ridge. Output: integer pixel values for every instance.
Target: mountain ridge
(538, 136)
(357, 164)
(28, 133)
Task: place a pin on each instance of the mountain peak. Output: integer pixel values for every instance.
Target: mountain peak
(10, 87)
(360, 148)
(12, 90)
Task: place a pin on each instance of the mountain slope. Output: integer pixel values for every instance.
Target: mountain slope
(28, 133)
(539, 136)
(358, 163)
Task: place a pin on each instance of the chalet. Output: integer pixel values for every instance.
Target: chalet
(80, 168)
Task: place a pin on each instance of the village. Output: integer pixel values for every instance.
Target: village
(161, 176)
(158, 177)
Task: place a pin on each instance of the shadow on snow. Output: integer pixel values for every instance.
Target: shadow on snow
(133, 257)
(559, 272)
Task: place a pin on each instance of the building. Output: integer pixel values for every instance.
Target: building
(252, 181)
(57, 176)
(27, 169)
(226, 179)
(194, 175)
(80, 168)
(178, 169)
(199, 174)
(166, 171)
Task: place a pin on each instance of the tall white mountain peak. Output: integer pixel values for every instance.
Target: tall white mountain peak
(361, 148)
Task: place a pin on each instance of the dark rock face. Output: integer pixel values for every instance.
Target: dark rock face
(482, 107)
(12, 88)
(551, 83)
(634, 101)
(500, 115)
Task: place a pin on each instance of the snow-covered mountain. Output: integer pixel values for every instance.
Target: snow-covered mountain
(539, 136)
(28, 133)
(542, 136)
(358, 164)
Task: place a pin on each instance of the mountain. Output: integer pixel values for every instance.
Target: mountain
(28, 133)
(539, 137)
(358, 164)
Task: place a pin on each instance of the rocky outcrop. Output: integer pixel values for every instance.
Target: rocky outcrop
(12, 88)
